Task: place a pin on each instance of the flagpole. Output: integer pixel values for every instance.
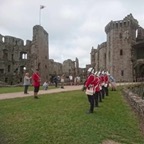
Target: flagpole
(40, 16)
(41, 7)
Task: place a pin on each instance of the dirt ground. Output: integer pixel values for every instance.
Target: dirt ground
(110, 142)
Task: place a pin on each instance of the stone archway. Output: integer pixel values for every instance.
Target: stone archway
(138, 67)
(141, 70)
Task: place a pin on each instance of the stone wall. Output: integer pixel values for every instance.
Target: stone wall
(135, 101)
(15, 54)
(101, 56)
(13, 57)
(55, 68)
(115, 55)
(41, 50)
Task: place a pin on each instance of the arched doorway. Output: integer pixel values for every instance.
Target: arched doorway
(140, 72)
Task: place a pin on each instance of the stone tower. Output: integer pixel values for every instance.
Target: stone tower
(121, 35)
(18, 57)
(40, 52)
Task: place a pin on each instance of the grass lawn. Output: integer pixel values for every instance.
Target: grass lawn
(61, 119)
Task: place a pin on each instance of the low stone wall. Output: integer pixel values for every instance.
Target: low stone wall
(135, 101)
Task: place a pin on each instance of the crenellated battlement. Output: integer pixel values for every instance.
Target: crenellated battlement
(28, 42)
(13, 40)
(39, 29)
(103, 45)
(16, 53)
(126, 22)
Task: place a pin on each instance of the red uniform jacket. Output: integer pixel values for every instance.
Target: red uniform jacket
(97, 84)
(102, 80)
(106, 81)
(36, 79)
(90, 81)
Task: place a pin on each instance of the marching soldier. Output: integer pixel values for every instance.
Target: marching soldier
(96, 89)
(99, 88)
(102, 84)
(106, 83)
(89, 84)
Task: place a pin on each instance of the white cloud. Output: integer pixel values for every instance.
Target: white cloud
(74, 26)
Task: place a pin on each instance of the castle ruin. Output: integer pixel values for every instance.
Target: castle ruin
(123, 52)
(15, 55)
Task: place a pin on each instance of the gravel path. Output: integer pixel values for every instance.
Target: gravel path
(56, 90)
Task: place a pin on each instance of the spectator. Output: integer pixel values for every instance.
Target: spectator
(71, 79)
(62, 81)
(27, 79)
(55, 80)
(36, 82)
(112, 83)
(45, 85)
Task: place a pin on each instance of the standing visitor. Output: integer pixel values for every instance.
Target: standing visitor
(55, 80)
(75, 80)
(36, 82)
(78, 80)
(71, 79)
(45, 85)
(62, 81)
(27, 79)
(112, 83)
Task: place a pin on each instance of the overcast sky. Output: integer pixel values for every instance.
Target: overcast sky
(74, 26)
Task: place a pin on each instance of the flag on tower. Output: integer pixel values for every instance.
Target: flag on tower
(42, 6)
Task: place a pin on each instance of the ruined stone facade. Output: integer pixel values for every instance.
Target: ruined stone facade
(55, 68)
(40, 52)
(115, 55)
(15, 55)
(71, 67)
(138, 56)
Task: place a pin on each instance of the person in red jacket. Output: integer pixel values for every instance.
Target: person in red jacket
(102, 84)
(97, 95)
(90, 84)
(106, 83)
(36, 82)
